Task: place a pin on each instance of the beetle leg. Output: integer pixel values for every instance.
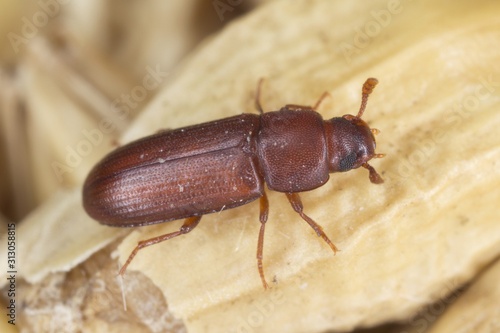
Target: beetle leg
(296, 107)
(322, 97)
(296, 203)
(189, 224)
(257, 97)
(264, 212)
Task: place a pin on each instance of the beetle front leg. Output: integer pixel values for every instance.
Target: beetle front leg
(297, 206)
(264, 212)
(189, 224)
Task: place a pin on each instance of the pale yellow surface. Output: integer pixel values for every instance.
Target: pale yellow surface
(41, 249)
(478, 309)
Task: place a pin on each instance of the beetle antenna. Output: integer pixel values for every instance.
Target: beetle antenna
(368, 87)
(374, 176)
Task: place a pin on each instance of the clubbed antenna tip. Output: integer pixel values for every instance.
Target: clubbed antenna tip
(368, 87)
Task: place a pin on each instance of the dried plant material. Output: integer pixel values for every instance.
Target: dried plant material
(9, 26)
(16, 190)
(432, 225)
(56, 237)
(477, 310)
(89, 299)
(162, 31)
(67, 138)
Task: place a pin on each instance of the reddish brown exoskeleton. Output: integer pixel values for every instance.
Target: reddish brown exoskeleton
(202, 169)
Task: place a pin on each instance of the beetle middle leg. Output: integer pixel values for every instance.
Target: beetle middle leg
(258, 105)
(290, 107)
(320, 100)
(189, 224)
(297, 107)
(297, 206)
(264, 212)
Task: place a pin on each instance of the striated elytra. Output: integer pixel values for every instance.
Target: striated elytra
(206, 168)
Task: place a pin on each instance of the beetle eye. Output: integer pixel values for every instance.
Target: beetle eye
(348, 162)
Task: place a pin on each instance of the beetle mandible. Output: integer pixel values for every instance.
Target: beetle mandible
(205, 168)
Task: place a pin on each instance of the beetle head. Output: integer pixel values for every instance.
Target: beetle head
(351, 142)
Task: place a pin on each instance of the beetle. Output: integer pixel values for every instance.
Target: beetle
(201, 169)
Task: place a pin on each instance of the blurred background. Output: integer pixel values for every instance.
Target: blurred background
(67, 64)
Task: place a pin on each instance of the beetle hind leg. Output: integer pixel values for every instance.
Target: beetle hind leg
(264, 212)
(189, 224)
(297, 206)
